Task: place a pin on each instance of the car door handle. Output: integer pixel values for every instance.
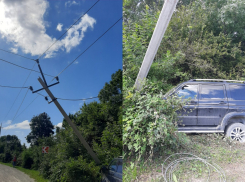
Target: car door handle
(222, 102)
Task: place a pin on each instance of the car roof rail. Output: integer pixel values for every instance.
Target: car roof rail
(218, 80)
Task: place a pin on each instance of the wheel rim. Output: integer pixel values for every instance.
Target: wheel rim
(238, 134)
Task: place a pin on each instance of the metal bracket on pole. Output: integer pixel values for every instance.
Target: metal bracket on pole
(73, 126)
(43, 80)
(45, 87)
(52, 100)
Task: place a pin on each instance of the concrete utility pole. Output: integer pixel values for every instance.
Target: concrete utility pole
(162, 24)
(85, 144)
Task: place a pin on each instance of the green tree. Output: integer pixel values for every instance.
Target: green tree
(9, 146)
(41, 126)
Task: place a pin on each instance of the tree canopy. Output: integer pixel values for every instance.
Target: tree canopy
(41, 126)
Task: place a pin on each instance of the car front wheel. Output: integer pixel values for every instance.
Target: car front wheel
(236, 132)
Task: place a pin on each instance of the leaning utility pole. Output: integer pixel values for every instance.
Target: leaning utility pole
(162, 24)
(85, 144)
(46, 88)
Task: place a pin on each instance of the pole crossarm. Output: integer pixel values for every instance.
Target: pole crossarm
(73, 126)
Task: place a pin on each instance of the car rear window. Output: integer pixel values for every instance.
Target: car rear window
(237, 92)
(212, 92)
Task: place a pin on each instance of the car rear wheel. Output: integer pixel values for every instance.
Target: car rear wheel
(236, 132)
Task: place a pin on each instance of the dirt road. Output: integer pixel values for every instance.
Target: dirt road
(9, 174)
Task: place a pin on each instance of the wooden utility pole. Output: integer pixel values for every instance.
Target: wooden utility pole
(161, 26)
(85, 144)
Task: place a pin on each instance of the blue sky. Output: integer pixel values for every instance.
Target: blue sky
(28, 28)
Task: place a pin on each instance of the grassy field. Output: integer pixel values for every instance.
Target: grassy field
(214, 148)
(32, 173)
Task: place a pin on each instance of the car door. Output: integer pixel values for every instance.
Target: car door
(115, 171)
(188, 115)
(213, 104)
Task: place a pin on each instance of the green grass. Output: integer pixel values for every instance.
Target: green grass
(32, 173)
(211, 147)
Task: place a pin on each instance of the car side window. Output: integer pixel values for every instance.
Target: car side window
(113, 166)
(237, 92)
(212, 92)
(188, 91)
(119, 166)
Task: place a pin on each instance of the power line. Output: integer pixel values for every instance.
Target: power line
(20, 91)
(78, 99)
(69, 28)
(88, 47)
(69, 99)
(41, 94)
(27, 106)
(16, 54)
(12, 86)
(24, 67)
(20, 105)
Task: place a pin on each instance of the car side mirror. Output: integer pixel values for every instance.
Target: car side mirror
(103, 168)
(184, 87)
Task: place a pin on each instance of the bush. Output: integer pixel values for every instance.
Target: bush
(79, 170)
(149, 121)
(27, 160)
(7, 156)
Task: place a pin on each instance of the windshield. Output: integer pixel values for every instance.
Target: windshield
(172, 90)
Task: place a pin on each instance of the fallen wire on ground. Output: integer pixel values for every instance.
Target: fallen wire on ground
(171, 167)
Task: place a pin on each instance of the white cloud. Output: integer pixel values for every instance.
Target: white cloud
(70, 3)
(14, 50)
(8, 122)
(59, 27)
(23, 25)
(76, 62)
(59, 125)
(23, 125)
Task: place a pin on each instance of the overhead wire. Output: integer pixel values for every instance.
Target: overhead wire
(27, 106)
(16, 54)
(78, 99)
(24, 67)
(88, 47)
(69, 28)
(19, 91)
(20, 104)
(69, 99)
(12, 86)
(41, 94)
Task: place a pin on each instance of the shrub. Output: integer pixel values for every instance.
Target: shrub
(7, 156)
(27, 160)
(149, 121)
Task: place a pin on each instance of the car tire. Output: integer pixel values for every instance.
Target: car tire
(236, 132)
